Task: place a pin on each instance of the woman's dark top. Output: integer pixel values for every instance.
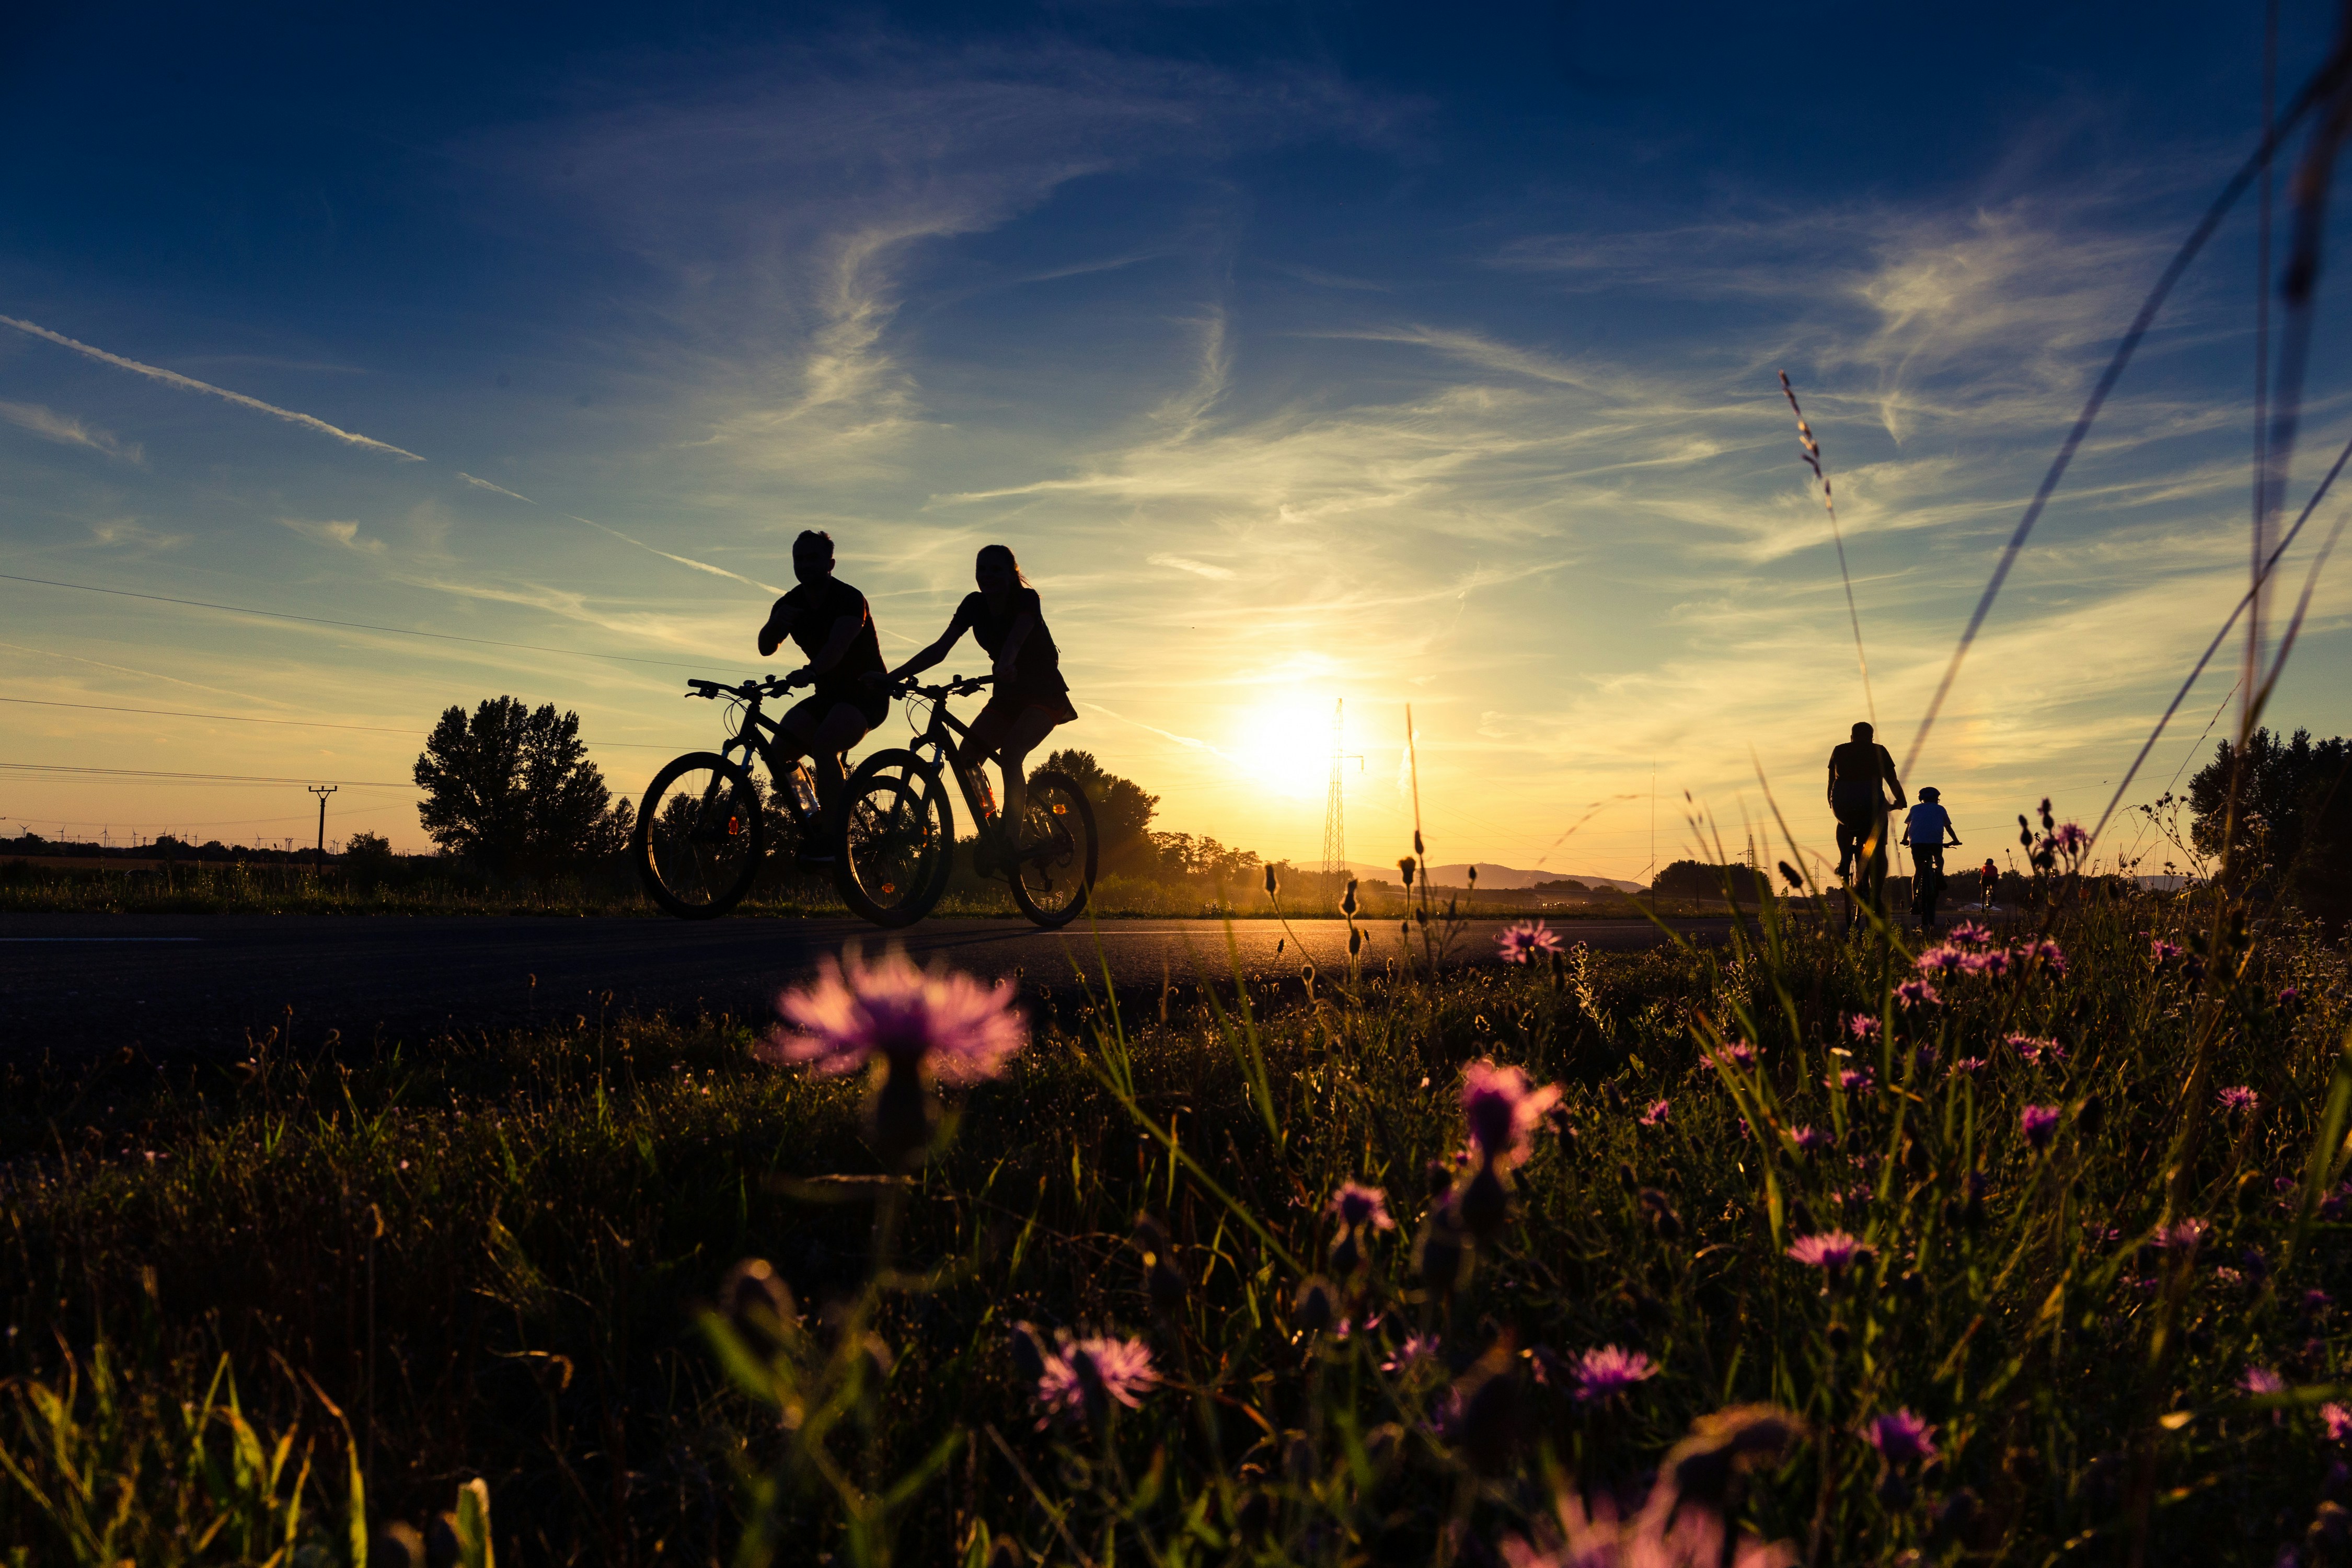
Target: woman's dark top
(817, 608)
(1037, 669)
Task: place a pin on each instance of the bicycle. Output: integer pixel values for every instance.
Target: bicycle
(702, 827)
(897, 833)
(1927, 885)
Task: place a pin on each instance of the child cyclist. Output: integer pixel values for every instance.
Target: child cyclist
(1926, 828)
(1029, 698)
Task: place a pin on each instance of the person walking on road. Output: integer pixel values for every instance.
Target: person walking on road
(1861, 772)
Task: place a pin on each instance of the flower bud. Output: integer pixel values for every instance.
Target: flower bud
(1272, 887)
(1486, 1202)
(1439, 1254)
(1005, 1553)
(756, 1301)
(1311, 1308)
(1405, 867)
(1347, 1256)
(1028, 1349)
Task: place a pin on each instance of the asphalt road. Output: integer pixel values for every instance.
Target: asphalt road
(73, 983)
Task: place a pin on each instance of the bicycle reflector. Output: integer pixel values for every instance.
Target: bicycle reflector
(1061, 808)
(734, 825)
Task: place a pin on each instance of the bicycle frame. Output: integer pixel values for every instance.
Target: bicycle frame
(755, 738)
(942, 735)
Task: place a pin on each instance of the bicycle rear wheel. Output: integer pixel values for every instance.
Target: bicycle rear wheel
(897, 837)
(699, 836)
(1055, 868)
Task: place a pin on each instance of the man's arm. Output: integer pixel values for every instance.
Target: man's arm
(1887, 766)
(779, 627)
(1833, 789)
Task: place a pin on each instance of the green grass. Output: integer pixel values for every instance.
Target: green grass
(493, 1256)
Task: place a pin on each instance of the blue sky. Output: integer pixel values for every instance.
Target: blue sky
(1302, 353)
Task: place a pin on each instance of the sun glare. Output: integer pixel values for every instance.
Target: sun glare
(1286, 743)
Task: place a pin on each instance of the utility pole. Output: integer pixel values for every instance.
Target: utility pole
(323, 792)
(1335, 823)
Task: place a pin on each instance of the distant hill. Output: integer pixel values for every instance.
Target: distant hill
(1499, 879)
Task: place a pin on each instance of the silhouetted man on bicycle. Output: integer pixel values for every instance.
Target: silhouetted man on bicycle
(1926, 830)
(1860, 771)
(830, 621)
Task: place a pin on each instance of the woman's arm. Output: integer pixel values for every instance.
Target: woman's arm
(936, 652)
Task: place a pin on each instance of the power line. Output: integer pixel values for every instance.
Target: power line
(314, 723)
(205, 778)
(353, 626)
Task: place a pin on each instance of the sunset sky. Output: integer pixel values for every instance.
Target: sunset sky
(1302, 353)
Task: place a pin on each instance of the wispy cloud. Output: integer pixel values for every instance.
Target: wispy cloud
(332, 532)
(494, 490)
(63, 428)
(1197, 568)
(188, 383)
(124, 531)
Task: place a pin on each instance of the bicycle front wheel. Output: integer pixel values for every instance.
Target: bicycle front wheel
(897, 836)
(699, 836)
(1053, 870)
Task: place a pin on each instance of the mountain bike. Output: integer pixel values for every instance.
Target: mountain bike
(1927, 885)
(897, 826)
(703, 824)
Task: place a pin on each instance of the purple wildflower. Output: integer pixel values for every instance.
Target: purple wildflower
(1523, 943)
(1355, 1204)
(2260, 1380)
(1812, 1140)
(2163, 951)
(2043, 950)
(1862, 1026)
(1970, 1064)
(1993, 963)
(1970, 933)
(1416, 1348)
(2337, 1420)
(1734, 1053)
(2069, 838)
(1853, 1080)
(945, 1023)
(1916, 994)
(1083, 1377)
(2033, 1047)
(1831, 1252)
(1502, 1108)
(2181, 1237)
(1608, 1372)
(2225, 1274)
(2038, 1122)
(1656, 1115)
(2238, 1097)
(1901, 1438)
(1944, 958)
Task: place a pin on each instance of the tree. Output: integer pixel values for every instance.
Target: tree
(1697, 880)
(2293, 817)
(1123, 811)
(513, 790)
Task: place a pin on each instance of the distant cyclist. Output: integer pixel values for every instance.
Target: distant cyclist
(830, 621)
(1988, 880)
(1925, 829)
(1857, 771)
(1008, 621)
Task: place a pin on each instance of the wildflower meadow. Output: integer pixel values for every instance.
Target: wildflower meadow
(1793, 1249)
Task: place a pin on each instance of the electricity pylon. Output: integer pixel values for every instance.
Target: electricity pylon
(1335, 808)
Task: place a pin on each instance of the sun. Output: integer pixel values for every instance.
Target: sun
(1284, 743)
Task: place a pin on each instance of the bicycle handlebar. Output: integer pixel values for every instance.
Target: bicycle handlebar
(957, 686)
(769, 687)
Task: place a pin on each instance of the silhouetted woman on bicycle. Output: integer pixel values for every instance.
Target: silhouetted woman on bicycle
(1030, 697)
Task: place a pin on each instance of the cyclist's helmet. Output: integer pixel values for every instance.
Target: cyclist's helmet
(1931, 793)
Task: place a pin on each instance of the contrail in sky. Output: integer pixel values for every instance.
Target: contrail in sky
(189, 383)
(648, 548)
